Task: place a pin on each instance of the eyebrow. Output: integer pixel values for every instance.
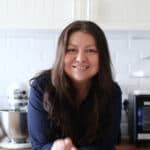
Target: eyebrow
(70, 44)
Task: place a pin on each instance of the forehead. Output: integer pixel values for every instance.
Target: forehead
(80, 37)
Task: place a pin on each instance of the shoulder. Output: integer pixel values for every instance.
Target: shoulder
(37, 89)
(117, 98)
(117, 95)
(41, 81)
(116, 89)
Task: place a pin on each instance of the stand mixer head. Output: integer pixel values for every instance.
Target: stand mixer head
(17, 96)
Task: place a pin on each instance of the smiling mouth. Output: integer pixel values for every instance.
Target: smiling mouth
(80, 67)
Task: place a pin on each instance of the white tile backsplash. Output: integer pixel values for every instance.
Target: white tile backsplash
(24, 53)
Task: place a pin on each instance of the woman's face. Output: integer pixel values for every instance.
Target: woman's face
(81, 60)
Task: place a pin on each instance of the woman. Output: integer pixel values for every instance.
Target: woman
(76, 104)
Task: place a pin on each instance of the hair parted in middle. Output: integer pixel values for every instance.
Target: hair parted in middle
(105, 66)
(100, 113)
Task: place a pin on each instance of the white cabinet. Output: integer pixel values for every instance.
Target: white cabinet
(40, 14)
(121, 14)
(138, 13)
(55, 14)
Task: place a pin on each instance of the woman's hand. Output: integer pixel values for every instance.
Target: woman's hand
(63, 144)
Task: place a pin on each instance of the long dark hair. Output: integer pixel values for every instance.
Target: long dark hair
(59, 96)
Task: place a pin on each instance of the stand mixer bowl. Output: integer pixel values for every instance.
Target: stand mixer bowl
(14, 124)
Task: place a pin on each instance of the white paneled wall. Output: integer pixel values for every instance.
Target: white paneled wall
(127, 50)
(24, 53)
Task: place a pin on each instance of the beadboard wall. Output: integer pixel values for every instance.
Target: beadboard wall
(26, 52)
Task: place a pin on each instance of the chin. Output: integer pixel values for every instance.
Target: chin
(80, 80)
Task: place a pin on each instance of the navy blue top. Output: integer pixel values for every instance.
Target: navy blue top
(39, 125)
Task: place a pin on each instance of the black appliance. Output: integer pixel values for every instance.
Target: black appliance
(139, 119)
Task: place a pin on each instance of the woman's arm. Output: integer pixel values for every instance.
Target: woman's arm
(37, 119)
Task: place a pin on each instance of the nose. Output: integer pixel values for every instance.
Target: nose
(80, 57)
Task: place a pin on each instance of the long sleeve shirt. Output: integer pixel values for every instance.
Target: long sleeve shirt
(39, 124)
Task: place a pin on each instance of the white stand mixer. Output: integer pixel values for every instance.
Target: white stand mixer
(14, 119)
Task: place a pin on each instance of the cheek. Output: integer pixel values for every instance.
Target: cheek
(96, 63)
(67, 62)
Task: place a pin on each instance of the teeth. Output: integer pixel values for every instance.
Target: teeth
(81, 67)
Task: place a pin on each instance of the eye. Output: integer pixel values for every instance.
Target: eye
(92, 51)
(71, 50)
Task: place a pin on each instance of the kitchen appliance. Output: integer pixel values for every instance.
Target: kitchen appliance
(14, 118)
(14, 125)
(139, 118)
(17, 94)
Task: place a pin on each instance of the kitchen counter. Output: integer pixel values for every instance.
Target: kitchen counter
(15, 149)
(5, 144)
(130, 147)
(118, 147)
